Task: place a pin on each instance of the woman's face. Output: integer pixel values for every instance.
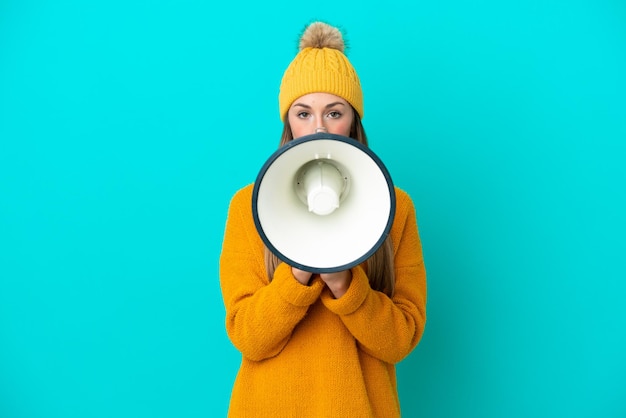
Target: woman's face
(321, 112)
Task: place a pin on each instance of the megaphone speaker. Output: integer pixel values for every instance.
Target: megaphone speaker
(323, 203)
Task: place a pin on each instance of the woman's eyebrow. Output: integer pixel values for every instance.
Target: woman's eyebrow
(327, 106)
(334, 104)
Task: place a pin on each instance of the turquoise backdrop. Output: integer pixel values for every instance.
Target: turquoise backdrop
(126, 126)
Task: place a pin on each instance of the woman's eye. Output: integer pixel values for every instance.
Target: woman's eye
(334, 114)
(303, 115)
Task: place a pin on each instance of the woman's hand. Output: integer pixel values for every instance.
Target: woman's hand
(338, 283)
(302, 276)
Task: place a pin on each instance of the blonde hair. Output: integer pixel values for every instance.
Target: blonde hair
(380, 266)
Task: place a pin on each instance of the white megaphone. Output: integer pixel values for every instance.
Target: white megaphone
(323, 203)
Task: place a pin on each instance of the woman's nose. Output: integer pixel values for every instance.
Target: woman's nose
(321, 129)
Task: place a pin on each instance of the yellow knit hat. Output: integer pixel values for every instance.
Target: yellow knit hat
(320, 67)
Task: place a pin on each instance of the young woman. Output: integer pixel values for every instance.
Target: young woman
(320, 345)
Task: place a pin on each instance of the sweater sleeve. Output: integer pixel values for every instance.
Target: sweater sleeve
(260, 315)
(388, 328)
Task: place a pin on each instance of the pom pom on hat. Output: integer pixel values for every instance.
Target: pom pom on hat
(320, 67)
(322, 35)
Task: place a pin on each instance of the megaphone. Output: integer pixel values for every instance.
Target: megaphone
(323, 203)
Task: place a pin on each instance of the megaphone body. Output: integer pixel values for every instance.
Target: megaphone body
(323, 203)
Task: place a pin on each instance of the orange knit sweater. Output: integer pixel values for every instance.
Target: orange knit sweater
(305, 354)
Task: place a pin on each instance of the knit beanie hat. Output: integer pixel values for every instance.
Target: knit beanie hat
(320, 67)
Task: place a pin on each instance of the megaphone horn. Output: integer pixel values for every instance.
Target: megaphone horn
(323, 203)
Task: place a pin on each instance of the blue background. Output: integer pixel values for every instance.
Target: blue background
(126, 126)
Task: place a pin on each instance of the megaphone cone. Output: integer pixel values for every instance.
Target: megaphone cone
(323, 203)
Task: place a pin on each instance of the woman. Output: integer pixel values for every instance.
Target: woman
(320, 345)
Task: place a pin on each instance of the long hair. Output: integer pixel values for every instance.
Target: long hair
(379, 266)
